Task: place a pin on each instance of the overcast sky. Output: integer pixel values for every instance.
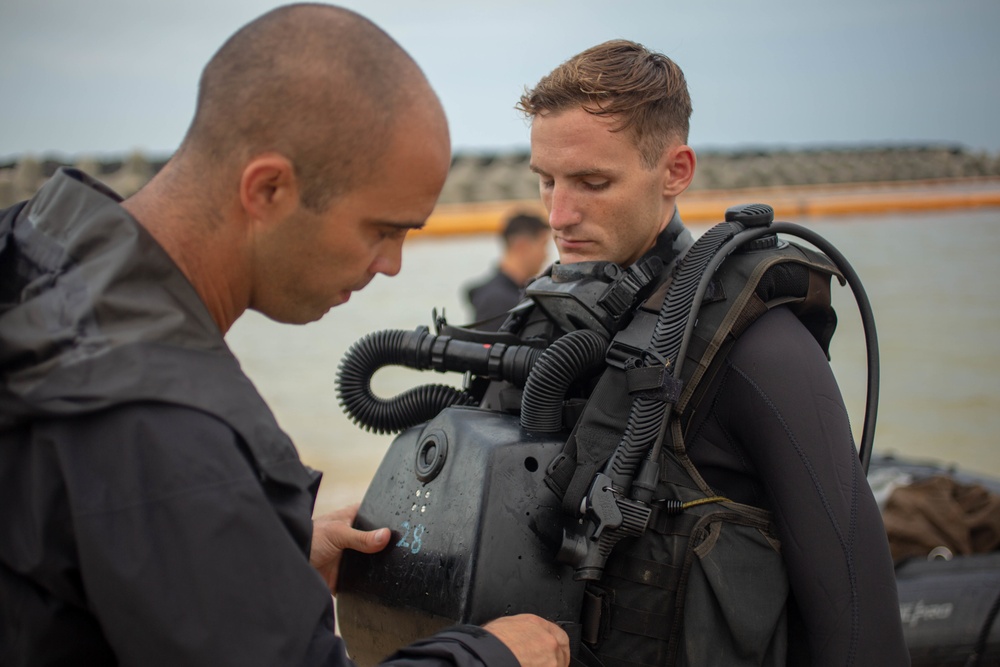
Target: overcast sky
(105, 77)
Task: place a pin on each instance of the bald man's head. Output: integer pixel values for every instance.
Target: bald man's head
(321, 85)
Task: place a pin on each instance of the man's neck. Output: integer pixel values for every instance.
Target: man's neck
(200, 239)
(515, 270)
(673, 241)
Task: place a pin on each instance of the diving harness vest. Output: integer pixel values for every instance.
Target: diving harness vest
(511, 494)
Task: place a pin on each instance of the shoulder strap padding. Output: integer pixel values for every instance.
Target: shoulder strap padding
(792, 276)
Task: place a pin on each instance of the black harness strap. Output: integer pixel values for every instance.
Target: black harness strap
(571, 473)
(644, 623)
(654, 382)
(594, 615)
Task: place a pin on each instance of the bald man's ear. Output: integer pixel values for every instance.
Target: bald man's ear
(680, 169)
(269, 189)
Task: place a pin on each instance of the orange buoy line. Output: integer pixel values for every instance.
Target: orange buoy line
(708, 206)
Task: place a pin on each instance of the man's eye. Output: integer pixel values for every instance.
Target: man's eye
(392, 233)
(546, 183)
(596, 185)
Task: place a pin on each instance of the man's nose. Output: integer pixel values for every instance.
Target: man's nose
(562, 209)
(389, 260)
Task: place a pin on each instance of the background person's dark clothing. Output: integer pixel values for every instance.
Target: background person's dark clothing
(151, 510)
(492, 298)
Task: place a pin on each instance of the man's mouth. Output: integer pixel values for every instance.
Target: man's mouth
(570, 243)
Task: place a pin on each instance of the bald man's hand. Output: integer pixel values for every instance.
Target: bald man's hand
(332, 533)
(534, 641)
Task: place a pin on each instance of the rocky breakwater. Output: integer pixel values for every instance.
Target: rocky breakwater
(498, 177)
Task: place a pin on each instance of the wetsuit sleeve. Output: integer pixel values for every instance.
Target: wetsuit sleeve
(785, 412)
(185, 560)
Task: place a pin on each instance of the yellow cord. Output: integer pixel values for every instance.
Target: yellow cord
(705, 501)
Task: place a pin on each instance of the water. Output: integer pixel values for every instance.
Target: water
(932, 279)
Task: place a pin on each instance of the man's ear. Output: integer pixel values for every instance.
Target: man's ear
(268, 187)
(680, 164)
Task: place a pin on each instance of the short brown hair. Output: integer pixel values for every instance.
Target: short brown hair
(645, 90)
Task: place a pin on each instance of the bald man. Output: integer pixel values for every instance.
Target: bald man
(151, 510)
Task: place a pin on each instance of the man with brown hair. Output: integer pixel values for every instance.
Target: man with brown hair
(153, 512)
(609, 132)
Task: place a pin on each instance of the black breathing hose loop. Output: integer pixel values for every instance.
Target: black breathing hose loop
(420, 350)
(354, 391)
(570, 357)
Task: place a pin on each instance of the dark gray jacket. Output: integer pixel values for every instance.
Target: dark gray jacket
(152, 512)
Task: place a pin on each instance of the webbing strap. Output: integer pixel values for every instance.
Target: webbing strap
(754, 309)
(600, 614)
(654, 382)
(644, 623)
(594, 616)
(642, 571)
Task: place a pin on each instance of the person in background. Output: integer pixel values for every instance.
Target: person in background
(152, 512)
(526, 241)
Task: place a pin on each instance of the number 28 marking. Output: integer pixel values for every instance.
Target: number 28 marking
(417, 537)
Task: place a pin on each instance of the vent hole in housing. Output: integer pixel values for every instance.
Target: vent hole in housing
(431, 454)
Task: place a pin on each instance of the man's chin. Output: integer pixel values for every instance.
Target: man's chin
(571, 252)
(304, 314)
(295, 318)
(574, 257)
